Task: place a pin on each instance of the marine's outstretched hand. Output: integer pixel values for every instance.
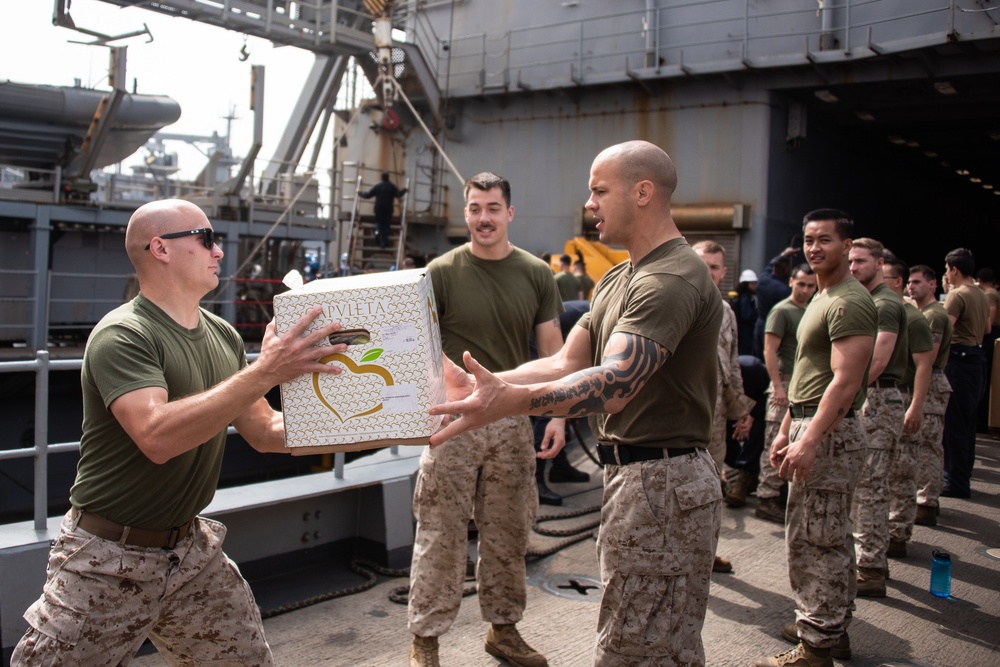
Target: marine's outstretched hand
(471, 402)
(458, 383)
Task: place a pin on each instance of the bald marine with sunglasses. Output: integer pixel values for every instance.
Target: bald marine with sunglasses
(162, 380)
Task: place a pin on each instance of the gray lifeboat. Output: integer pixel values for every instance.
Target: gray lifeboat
(42, 127)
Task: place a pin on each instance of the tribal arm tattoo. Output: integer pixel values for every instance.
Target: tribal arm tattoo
(629, 362)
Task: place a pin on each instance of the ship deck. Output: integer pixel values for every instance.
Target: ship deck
(747, 608)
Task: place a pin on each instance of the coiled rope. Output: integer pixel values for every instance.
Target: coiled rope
(370, 570)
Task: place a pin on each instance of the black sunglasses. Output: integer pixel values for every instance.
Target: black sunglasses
(207, 236)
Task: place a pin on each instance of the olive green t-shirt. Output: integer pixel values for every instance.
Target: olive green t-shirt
(918, 331)
(846, 309)
(668, 297)
(489, 307)
(586, 284)
(993, 299)
(892, 318)
(783, 322)
(569, 286)
(971, 308)
(133, 347)
(941, 330)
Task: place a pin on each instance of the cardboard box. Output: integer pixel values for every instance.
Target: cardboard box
(387, 384)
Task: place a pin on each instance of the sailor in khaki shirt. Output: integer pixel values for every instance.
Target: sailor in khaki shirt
(969, 312)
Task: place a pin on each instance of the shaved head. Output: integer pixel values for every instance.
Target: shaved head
(157, 218)
(642, 161)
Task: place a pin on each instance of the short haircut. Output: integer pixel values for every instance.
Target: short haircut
(962, 260)
(871, 245)
(802, 268)
(709, 248)
(985, 275)
(842, 222)
(900, 269)
(927, 272)
(486, 181)
(565, 259)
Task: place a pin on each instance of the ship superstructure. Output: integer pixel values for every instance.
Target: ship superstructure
(769, 108)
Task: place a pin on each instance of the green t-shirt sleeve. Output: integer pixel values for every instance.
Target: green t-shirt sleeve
(890, 313)
(550, 301)
(846, 319)
(120, 361)
(777, 323)
(649, 316)
(994, 301)
(938, 322)
(954, 304)
(920, 336)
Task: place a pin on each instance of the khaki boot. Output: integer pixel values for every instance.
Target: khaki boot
(504, 642)
(736, 489)
(562, 471)
(871, 582)
(803, 655)
(926, 515)
(897, 549)
(770, 509)
(424, 652)
(546, 496)
(842, 651)
(722, 565)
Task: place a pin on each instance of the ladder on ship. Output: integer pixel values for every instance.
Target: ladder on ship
(363, 250)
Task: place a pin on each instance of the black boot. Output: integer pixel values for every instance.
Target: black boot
(546, 496)
(562, 471)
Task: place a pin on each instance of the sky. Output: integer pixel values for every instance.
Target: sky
(195, 64)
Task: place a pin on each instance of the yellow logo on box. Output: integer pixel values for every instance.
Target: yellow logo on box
(356, 369)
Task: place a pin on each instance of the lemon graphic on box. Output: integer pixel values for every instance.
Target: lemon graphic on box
(356, 369)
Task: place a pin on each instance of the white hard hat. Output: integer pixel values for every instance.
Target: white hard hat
(748, 276)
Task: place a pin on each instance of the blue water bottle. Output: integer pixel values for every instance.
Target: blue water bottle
(941, 574)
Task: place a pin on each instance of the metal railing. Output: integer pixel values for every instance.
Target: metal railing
(42, 366)
(421, 32)
(116, 190)
(697, 36)
(15, 186)
(320, 25)
(76, 302)
(308, 191)
(16, 304)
